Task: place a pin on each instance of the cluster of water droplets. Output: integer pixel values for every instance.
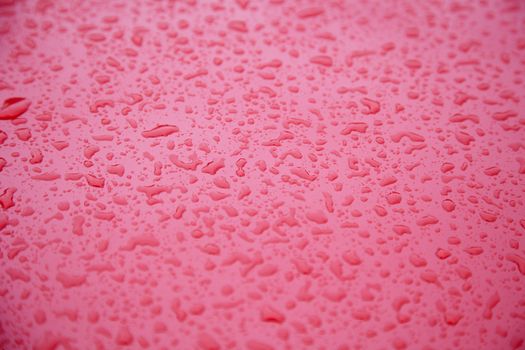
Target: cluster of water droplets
(262, 174)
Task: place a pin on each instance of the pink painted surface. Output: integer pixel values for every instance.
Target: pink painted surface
(262, 174)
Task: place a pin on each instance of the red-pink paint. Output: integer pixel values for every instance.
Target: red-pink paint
(262, 174)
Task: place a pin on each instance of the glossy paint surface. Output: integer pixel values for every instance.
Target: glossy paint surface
(262, 174)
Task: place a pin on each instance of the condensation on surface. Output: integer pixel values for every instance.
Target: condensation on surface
(262, 174)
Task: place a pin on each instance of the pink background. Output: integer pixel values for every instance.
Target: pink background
(262, 174)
